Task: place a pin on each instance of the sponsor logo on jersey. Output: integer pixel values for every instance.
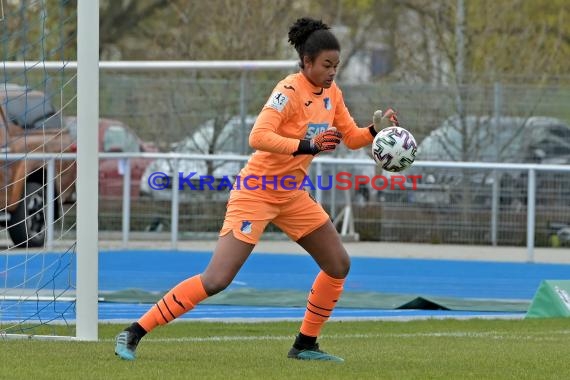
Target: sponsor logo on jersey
(314, 129)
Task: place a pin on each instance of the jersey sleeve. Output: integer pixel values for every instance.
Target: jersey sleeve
(353, 136)
(264, 136)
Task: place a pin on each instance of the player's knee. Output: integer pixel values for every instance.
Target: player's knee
(215, 284)
(340, 267)
(344, 266)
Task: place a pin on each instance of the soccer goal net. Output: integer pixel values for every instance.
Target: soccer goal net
(38, 176)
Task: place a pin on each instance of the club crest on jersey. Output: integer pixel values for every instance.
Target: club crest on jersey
(277, 101)
(327, 102)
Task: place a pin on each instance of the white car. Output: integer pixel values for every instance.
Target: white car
(200, 179)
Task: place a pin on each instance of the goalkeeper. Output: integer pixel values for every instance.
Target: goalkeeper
(304, 116)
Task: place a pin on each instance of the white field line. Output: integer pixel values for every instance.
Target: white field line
(392, 318)
(253, 320)
(545, 336)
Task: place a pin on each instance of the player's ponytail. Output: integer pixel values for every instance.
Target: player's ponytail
(310, 37)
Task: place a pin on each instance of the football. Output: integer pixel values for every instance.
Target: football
(394, 149)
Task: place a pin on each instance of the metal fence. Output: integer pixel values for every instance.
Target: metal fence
(491, 204)
(168, 106)
(516, 204)
(165, 102)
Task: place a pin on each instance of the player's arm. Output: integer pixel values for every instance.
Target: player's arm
(264, 136)
(354, 137)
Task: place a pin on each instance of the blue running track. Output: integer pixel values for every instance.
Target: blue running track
(158, 271)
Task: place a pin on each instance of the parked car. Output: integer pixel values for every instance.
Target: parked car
(227, 140)
(30, 124)
(536, 139)
(117, 137)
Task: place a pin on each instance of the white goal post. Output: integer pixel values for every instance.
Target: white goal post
(87, 164)
(21, 309)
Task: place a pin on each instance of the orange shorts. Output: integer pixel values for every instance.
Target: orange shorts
(249, 211)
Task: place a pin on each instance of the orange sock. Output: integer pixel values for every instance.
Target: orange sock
(322, 300)
(179, 300)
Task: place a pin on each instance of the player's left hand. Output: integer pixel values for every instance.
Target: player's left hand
(384, 119)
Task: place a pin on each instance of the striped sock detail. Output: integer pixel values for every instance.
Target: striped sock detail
(322, 299)
(319, 312)
(169, 311)
(161, 313)
(179, 300)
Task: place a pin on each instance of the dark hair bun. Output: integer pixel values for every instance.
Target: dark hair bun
(302, 29)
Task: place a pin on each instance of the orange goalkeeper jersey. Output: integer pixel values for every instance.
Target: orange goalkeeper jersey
(297, 110)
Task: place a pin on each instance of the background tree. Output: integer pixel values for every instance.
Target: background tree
(509, 41)
(503, 42)
(474, 48)
(215, 30)
(502, 38)
(120, 21)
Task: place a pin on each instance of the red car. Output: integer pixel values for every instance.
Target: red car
(117, 137)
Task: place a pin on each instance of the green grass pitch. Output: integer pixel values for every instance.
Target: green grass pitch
(420, 349)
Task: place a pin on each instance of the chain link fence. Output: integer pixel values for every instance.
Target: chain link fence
(166, 108)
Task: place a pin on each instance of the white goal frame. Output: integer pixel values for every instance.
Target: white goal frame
(88, 66)
(87, 281)
(87, 183)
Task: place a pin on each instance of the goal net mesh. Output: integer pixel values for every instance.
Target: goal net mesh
(37, 168)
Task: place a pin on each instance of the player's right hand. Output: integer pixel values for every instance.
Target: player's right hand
(325, 141)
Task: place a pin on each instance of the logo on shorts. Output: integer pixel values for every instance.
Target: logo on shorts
(245, 227)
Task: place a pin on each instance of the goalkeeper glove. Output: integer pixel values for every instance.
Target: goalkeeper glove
(382, 120)
(323, 142)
